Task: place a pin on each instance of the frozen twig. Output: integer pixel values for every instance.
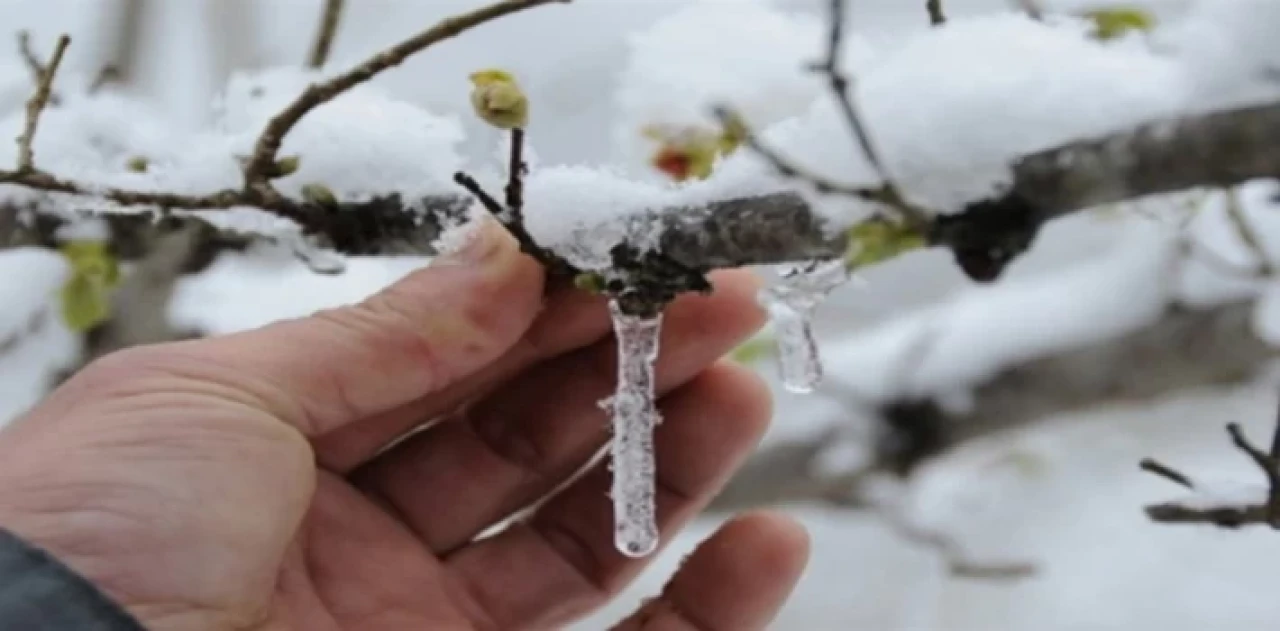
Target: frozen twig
(1254, 506)
(259, 166)
(325, 32)
(36, 105)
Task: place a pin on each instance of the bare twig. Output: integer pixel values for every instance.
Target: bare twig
(1223, 514)
(513, 221)
(786, 168)
(936, 16)
(258, 168)
(325, 33)
(516, 170)
(1156, 467)
(1275, 439)
(839, 83)
(34, 64)
(36, 105)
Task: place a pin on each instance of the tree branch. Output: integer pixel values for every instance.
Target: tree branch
(34, 65)
(1243, 505)
(936, 16)
(325, 33)
(36, 105)
(258, 168)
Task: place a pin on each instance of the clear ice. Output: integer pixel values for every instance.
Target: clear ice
(635, 416)
(790, 304)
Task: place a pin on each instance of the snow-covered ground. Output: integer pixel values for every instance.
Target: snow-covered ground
(990, 86)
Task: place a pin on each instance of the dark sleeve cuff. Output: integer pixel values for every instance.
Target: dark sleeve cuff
(39, 593)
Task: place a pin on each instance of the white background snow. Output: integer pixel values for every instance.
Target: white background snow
(947, 107)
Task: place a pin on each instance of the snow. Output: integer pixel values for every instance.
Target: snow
(1213, 493)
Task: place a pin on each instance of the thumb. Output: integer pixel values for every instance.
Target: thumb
(433, 327)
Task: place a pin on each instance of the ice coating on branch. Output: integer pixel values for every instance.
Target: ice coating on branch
(791, 304)
(635, 415)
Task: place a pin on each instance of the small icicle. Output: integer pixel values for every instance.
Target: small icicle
(791, 304)
(635, 415)
(317, 259)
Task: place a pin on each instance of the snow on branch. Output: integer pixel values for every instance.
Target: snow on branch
(1217, 149)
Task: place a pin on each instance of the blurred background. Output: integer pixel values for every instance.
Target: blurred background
(1061, 491)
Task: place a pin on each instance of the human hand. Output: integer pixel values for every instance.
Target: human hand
(246, 482)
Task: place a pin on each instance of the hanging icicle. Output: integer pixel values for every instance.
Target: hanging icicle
(791, 304)
(635, 416)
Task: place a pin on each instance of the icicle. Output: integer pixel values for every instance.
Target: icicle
(635, 415)
(317, 259)
(791, 304)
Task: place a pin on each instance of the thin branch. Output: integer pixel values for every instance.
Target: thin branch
(34, 65)
(1156, 467)
(936, 16)
(1270, 468)
(839, 82)
(513, 221)
(786, 168)
(29, 55)
(36, 105)
(1275, 439)
(258, 168)
(1223, 513)
(516, 171)
(324, 34)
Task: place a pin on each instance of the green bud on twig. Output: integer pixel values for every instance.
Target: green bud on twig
(316, 193)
